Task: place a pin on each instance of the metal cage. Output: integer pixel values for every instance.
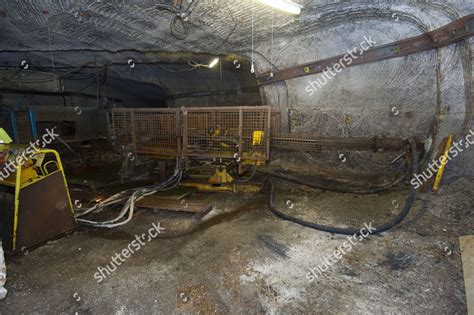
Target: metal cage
(153, 132)
(204, 132)
(227, 132)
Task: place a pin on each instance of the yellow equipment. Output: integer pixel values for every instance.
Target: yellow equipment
(212, 141)
(5, 141)
(257, 137)
(35, 205)
(439, 175)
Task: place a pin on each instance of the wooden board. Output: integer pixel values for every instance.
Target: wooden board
(467, 255)
(177, 193)
(153, 202)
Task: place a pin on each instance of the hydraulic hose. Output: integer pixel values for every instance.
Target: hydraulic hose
(351, 231)
(131, 197)
(348, 190)
(249, 178)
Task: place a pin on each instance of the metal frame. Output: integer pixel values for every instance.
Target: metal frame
(197, 132)
(223, 133)
(226, 132)
(19, 185)
(132, 126)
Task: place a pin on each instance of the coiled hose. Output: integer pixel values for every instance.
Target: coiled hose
(351, 231)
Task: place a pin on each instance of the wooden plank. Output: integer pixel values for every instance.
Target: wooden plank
(177, 193)
(173, 205)
(467, 255)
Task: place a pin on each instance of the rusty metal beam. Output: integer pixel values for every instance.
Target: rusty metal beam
(446, 35)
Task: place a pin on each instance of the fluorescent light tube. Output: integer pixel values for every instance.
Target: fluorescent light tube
(213, 63)
(284, 5)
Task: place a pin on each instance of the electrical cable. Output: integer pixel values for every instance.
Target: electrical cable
(337, 187)
(271, 53)
(176, 23)
(248, 179)
(351, 231)
(233, 20)
(252, 66)
(178, 27)
(131, 197)
(176, 71)
(66, 75)
(51, 50)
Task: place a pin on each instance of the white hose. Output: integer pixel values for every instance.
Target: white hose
(130, 196)
(3, 273)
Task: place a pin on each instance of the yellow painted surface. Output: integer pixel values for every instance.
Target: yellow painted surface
(439, 176)
(27, 175)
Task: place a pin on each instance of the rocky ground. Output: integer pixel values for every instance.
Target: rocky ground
(244, 260)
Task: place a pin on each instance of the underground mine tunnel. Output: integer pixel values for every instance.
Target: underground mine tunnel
(236, 157)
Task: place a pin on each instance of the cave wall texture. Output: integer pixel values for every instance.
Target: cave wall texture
(396, 97)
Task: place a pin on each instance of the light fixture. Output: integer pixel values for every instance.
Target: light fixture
(213, 63)
(287, 6)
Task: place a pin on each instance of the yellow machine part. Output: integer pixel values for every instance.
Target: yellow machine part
(257, 137)
(221, 176)
(35, 185)
(4, 138)
(5, 141)
(27, 174)
(439, 175)
(208, 187)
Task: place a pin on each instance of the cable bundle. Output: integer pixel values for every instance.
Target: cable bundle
(178, 25)
(351, 231)
(130, 197)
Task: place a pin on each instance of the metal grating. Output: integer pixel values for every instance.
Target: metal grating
(148, 131)
(211, 132)
(227, 132)
(122, 127)
(222, 132)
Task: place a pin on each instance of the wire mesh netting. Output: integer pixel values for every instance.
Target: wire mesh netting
(148, 131)
(212, 132)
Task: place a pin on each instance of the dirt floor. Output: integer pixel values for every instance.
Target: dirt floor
(244, 260)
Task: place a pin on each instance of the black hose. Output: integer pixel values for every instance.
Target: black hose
(334, 188)
(351, 231)
(249, 178)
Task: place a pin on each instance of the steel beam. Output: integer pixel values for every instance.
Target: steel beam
(446, 35)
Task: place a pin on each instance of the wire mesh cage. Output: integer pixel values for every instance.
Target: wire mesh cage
(152, 132)
(227, 132)
(207, 132)
(121, 127)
